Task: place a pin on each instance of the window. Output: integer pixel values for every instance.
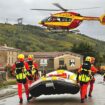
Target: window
(72, 62)
(61, 61)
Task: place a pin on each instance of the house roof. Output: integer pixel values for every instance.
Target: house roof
(6, 48)
(50, 54)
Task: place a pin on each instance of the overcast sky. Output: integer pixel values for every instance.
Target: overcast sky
(13, 9)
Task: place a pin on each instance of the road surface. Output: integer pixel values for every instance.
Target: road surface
(98, 97)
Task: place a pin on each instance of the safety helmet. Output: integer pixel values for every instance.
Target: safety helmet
(30, 57)
(20, 56)
(88, 58)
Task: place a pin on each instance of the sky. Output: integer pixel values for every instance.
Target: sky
(11, 10)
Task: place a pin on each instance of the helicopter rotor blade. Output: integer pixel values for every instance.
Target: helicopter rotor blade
(59, 6)
(84, 8)
(46, 9)
(63, 9)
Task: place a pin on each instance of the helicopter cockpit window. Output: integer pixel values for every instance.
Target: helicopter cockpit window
(46, 19)
(53, 19)
(49, 19)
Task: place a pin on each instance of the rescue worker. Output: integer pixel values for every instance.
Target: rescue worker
(33, 69)
(93, 72)
(19, 69)
(84, 76)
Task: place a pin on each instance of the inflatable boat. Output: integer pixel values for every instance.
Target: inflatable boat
(56, 82)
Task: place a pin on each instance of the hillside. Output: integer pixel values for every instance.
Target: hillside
(33, 38)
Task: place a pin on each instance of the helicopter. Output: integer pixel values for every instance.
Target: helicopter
(65, 19)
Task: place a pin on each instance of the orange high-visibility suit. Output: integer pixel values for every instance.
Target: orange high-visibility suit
(19, 69)
(33, 75)
(83, 87)
(83, 77)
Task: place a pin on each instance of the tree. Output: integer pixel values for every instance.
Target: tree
(87, 50)
(83, 49)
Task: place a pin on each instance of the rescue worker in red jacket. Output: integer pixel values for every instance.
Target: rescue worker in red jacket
(33, 69)
(93, 71)
(19, 69)
(84, 76)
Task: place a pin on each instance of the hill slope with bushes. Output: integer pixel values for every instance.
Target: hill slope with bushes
(33, 38)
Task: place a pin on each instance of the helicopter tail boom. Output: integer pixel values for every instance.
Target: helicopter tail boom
(90, 18)
(101, 19)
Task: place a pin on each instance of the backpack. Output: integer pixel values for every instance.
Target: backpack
(19, 67)
(85, 74)
(86, 66)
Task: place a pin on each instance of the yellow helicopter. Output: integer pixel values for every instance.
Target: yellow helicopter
(67, 20)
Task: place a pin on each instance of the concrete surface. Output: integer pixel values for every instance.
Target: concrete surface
(98, 97)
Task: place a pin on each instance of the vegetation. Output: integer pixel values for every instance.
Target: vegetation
(33, 38)
(6, 83)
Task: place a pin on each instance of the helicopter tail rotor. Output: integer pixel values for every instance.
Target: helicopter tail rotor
(102, 19)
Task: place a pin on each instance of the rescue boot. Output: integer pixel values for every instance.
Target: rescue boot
(21, 101)
(82, 100)
(89, 95)
(29, 98)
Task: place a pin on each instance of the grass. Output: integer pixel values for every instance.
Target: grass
(4, 84)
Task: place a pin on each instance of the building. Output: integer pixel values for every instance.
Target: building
(55, 60)
(8, 55)
(46, 60)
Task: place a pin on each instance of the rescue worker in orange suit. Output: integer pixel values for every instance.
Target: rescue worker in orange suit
(84, 76)
(33, 69)
(19, 69)
(93, 71)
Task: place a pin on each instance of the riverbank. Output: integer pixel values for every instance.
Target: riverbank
(5, 83)
(8, 88)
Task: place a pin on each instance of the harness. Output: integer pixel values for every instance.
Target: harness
(85, 73)
(32, 68)
(20, 70)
